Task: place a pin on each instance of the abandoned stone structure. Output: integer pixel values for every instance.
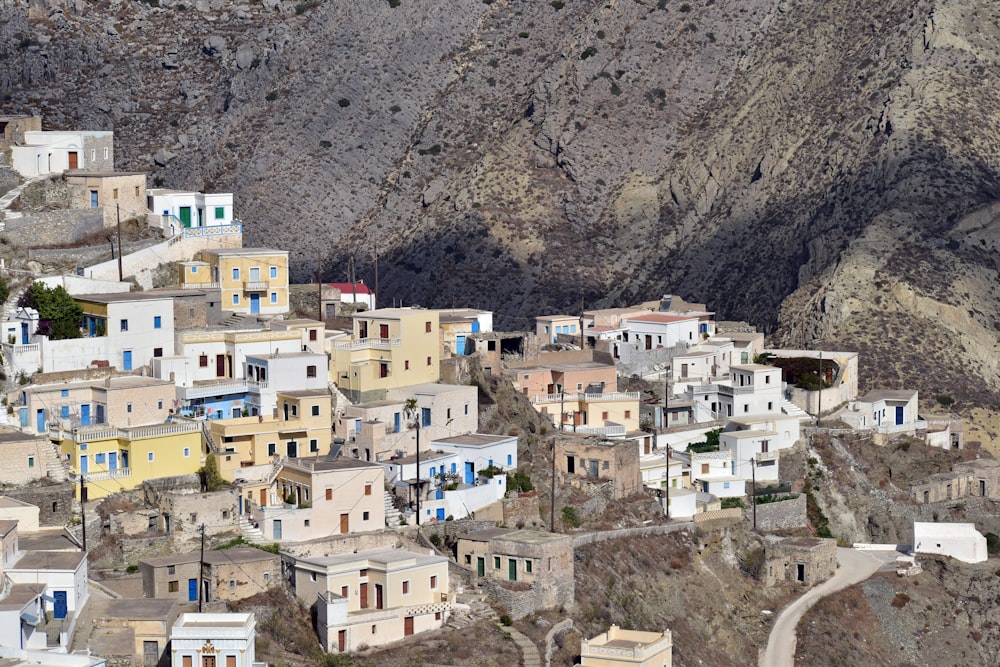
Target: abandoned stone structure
(598, 459)
(804, 560)
(536, 568)
(229, 574)
(971, 479)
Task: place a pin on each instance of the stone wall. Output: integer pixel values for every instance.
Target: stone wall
(53, 227)
(783, 515)
(56, 502)
(341, 544)
(644, 531)
(89, 254)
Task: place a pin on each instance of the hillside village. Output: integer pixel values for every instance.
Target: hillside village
(191, 440)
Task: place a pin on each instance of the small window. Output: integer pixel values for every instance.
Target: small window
(628, 414)
(220, 213)
(295, 410)
(306, 523)
(114, 193)
(604, 415)
(527, 566)
(157, 322)
(203, 361)
(496, 562)
(406, 365)
(312, 577)
(236, 273)
(232, 584)
(313, 334)
(171, 569)
(364, 516)
(315, 411)
(236, 299)
(100, 458)
(368, 489)
(274, 272)
(274, 297)
(272, 448)
(310, 371)
(314, 445)
(137, 191)
(427, 327)
(64, 393)
(128, 407)
(31, 461)
(187, 452)
(329, 494)
(434, 581)
(159, 405)
(157, 352)
(428, 361)
(406, 588)
(64, 411)
(124, 325)
(746, 408)
(105, 153)
(149, 457)
(466, 408)
(363, 573)
(173, 586)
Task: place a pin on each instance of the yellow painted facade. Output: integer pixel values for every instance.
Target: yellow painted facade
(618, 648)
(389, 348)
(595, 411)
(251, 280)
(118, 459)
(302, 428)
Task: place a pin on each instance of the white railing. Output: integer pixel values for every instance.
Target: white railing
(119, 473)
(603, 430)
(200, 285)
(593, 398)
(257, 385)
(767, 456)
(217, 230)
(140, 432)
(23, 349)
(725, 389)
(367, 344)
(86, 434)
(918, 425)
(218, 389)
(255, 286)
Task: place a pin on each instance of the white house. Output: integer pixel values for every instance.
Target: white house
(712, 472)
(357, 292)
(63, 573)
(21, 610)
(179, 209)
(270, 374)
(478, 451)
(53, 152)
(787, 428)
(886, 410)
(213, 640)
(957, 540)
(752, 454)
(660, 330)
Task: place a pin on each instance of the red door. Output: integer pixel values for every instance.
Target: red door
(364, 596)
(378, 596)
(407, 626)
(342, 640)
(74, 160)
(220, 365)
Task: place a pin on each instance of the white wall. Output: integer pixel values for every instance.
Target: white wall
(78, 285)
(959, 540)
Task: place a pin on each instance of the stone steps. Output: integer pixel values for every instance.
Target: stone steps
(391, 513)
(54, 464)
(249, 533)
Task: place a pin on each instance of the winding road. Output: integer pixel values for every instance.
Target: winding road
(855, 566)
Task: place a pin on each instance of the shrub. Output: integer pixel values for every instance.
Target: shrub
(557, 4)
(435, 540)
(394, 3)
(506, 620)
(570, 517)
(519, 481)
(523, 35)
(944, 400)
(900, 600)
(132, 569)
(588, 52)
(59, 315)
(732, 503)
(685, 8)
(271, 96)
(993, 544)
(303, 7)
(343, 103)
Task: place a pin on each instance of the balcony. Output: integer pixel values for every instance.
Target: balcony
(118, 473)
(767, 456)
(726, 390)
(892, 429)
(588, 398)
(200, 285)
(613, 431)
(367, 344)
(255, 286)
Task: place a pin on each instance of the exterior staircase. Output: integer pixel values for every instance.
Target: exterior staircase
(391, 513)
(793, 410)
(249, 532)
(54, 464)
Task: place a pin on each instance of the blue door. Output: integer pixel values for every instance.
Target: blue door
(112, 460)
(276, 530)
(395, 422)
(24, 416)
(439, 514)
(127, 360)
(59, 606)
(93, 199)
(84, 464)
(85, 415)
(459, 344)
(475, 327)
(24, 333)
(254, 304)
(40, 421)
(899, 414)
(241, 505)
(192, 590)
(470, 473)
(439, 494)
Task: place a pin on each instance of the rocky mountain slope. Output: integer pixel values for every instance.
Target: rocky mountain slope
(826, 170)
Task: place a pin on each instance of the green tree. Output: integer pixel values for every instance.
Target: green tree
(58, 314)
(4, 290)
(213, 479)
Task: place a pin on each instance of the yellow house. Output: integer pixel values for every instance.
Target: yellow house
(108, 460)
(618, 648)
(252, 281)
(609, 413)
(302, 428)
(389, 348)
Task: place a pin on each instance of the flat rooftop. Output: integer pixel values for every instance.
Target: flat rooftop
(243, 252)
(15, 436)
(47, 539)
(475, 440)
(49, 560)
(324, 465)
(657, 318)
(888, 395)
(133, 608)
(386, 556)
(121, 297)
(237, 555)
(20, 595)
(306, 393)
(425, 457)
(535, 537)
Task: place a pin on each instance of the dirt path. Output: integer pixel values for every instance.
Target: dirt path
(855, 566)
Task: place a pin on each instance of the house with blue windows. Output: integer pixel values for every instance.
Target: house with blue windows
(251, 281)
(550, 327)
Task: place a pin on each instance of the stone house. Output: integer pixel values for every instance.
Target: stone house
(229, 574)
(599, 459)
(803, 560)
(943, 487)
(113, 192)
(26, 458)
(543, 561)
(985, 477)
(131, 631)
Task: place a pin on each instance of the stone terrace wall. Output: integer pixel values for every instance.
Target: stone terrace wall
(53, 227)
(782, 515)
(44, 497)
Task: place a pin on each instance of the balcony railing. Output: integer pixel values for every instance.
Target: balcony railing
(592, 398)
(767, 456)
(200, 285)
(118, 473)
(610, 431)
(733, 391)
(255, 286)
(216, 389)
(889, 429)
(367, 344)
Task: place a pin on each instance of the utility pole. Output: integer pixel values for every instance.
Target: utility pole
(118, 212)
(581, 324)
(319, 287)
(753, 491)
(666, 487)
(552, 503)
(819, 410)
(562, 409)
(83, 510)
(418, 470)
(201, 567)
(375, 295)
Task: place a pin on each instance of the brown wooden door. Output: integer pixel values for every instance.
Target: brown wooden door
(220, 365)
(342, 640)
(74, 160)
(364, 596)
(378, 596)
(407, 626)
(383, 331)
(263, 497)
(345, 523)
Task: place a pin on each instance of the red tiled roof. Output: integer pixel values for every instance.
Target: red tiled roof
(347, 288)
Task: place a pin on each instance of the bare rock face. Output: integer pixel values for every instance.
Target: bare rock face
(807, 166)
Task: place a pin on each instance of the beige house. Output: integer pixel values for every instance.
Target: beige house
(133, 631)
(114, 192)
(617, 647)
(600, 460)
(317, 497)
(388, 349)
(302, 428)
(374, 597)
(228, 574)
(26, 458)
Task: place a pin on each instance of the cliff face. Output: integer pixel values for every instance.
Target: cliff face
(826, 170)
